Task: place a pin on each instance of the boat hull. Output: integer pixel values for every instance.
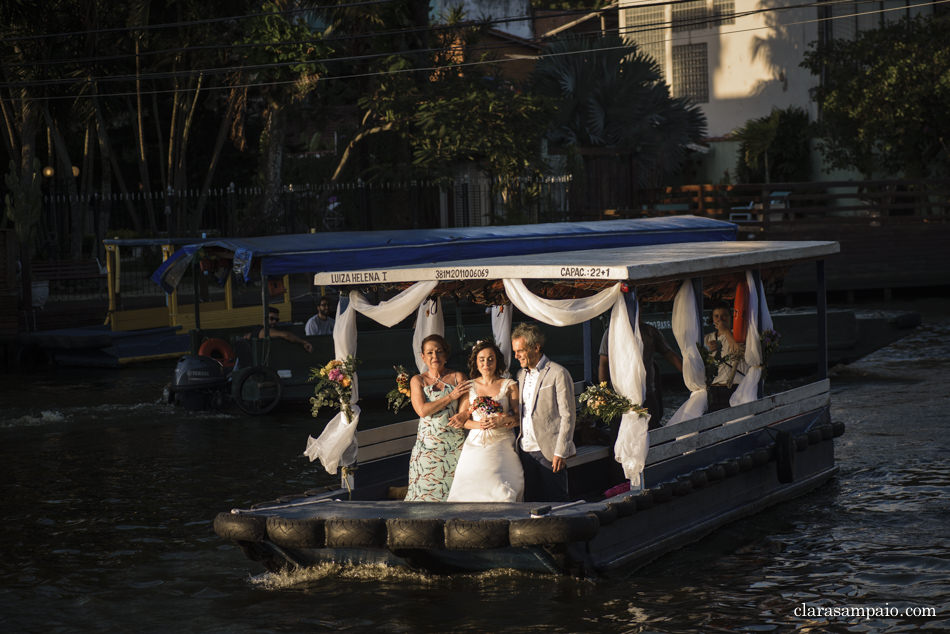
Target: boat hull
(686, 498)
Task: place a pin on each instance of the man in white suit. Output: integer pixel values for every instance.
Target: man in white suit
(547, 417)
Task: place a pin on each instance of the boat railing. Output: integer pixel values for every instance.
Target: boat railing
(691, 435)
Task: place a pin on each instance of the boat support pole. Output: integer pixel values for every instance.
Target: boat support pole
(698, 294)
(588, 351)
(265, 296)
(757, 285)
(822, 316)
(197, 298)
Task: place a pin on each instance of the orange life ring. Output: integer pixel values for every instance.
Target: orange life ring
(218, 349)
(740, 313)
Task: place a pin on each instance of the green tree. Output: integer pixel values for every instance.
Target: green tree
(614, 110)
(775, 148)
(885, 99)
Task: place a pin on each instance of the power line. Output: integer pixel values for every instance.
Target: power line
(436, 28)
(629, 30)
(178, 25)
(318, 61)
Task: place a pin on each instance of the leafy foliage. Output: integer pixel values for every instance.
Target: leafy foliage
(492, 124)
(775, 148)
(885, 99)
(611, 96)
(606, 404)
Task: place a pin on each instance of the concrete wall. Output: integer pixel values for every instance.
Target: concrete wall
(752, 65)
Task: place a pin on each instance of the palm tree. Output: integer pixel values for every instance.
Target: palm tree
(616, 113)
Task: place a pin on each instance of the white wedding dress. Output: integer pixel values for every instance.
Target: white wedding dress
(489, 469)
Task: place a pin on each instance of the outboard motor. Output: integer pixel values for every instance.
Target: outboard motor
(199, 383)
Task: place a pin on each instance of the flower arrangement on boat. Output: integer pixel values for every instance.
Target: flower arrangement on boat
(398, 397)
(713, 360)
(334, 385)
(606, 404)
(485, 406)
(770, 343)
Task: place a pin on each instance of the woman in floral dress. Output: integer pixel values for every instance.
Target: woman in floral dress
(435, 394)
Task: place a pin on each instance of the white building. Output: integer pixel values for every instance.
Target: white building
(739, 59)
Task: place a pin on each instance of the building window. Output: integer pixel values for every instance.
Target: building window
(689, 16)
(690, 72)
(725, 12)
(647, 27)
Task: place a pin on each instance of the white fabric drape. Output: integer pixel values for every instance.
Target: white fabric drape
(748, 389)
(623, 342)
(629, 379)
(560, 312)
(429, 321)
(501, 330)
(337, 444)
(686, 329)
(393, 311)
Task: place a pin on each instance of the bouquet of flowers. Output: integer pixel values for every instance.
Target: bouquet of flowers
(770, 343)
(603, 402)
(399, 396)
(713, 360)
(334, 386)
(485, 406)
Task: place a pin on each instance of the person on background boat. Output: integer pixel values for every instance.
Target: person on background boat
(489, 469)
(729, 356)
(273, 318)
(321, 323)
(653, 343)
(547, 417)
(434, 395)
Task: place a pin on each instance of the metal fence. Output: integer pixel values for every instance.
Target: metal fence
(237, 210)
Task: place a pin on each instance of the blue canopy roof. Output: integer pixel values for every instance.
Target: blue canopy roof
(317, 252)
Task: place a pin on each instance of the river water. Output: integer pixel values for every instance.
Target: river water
(108, 498)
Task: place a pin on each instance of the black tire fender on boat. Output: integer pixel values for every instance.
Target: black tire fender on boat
(553, 529)
(624, 507)
(746, 461)
(837, 428)
(801, 442)
(683, 485)
(644, 500)
(762, 455)
(415, 533)
(240, 527)
(463, 534)
(731, 467)
(297, 532)
(264, 375)
(699, 478)
(715, 473)
(814, 436)
(785, 457)
(606, 515)
(662, 492)
(352, 532)
(827, 432)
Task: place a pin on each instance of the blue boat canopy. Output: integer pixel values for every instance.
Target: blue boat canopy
(319, 252)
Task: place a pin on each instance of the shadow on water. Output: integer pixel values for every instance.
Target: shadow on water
(108, 499)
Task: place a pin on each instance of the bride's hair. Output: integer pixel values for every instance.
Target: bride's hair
(473, 372)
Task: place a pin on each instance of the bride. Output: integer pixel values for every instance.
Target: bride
(489, 469)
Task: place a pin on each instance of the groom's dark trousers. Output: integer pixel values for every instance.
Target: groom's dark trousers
(541, 484)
